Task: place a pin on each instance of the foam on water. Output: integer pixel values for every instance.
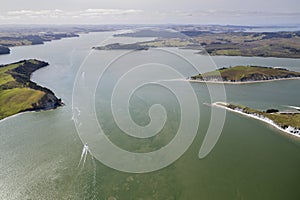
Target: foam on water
(83, 156)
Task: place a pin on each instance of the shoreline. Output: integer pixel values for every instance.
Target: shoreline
(12, 116)
(27, 111)
(266, 120)
(21, 73)
(16, 115)
(241, 83)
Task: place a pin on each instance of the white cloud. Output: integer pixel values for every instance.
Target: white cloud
(87, 12)
(142, 16)
(111, 11)
(21, 16)
(227, 13)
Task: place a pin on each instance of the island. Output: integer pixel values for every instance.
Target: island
(19, 94)
(246, 74)
(119, 46)
(157, 43)
(286, 121)
(4, 50)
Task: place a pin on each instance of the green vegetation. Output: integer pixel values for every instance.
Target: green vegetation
(10, 39)
(173, 42)
(6, 77)
(246, 74)
(20, 37)
(18, 99)
(282, 119)
(225, 41)
(265, 44)
(19, 94)
(118, 46)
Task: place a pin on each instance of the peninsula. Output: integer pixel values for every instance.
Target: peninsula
(11, 40)
(288, 122)
(20, 35)
(246, 74)
(225, 41)
(19, 94)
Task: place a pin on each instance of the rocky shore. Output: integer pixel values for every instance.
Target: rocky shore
(19, 94)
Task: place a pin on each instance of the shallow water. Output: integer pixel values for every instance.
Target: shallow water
(40, 152)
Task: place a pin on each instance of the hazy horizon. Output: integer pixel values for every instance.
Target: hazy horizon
(230, 12)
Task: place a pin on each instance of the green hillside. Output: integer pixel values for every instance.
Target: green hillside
(19, 94)
(247, 73)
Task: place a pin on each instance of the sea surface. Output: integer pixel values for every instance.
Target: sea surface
(274, 29)
(41, 152)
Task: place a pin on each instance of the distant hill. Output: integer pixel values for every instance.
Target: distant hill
(159, 33)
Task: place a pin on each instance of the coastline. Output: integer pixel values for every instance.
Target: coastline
(256, 56)
(12, 116)
(15, 115)
(27, 111)
(266, 120)
(245, 82)
(34, 98)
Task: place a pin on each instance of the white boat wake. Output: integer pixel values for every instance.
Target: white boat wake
(295, 107)
(82, 161)
(83, 156)
(94, 178)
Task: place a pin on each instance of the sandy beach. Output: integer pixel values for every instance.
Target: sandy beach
(266, 120)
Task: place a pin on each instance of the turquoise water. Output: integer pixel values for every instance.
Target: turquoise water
(40, 152)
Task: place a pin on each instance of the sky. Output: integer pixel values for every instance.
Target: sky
(235, 12)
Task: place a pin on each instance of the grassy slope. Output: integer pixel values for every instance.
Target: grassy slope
(15, 100)
(5, 77)
(238, 72)
(19, 98)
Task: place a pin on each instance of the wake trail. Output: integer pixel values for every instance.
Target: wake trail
(95, 171)
(85, 155)
(295, 107)
(94, 178)
(82, 154)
